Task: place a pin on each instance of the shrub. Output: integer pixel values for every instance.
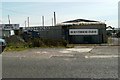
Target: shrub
(40, 42)
(17, 43)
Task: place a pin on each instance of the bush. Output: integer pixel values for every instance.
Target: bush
(17, 43)
(39, 42)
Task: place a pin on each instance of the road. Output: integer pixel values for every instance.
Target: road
(78, 62)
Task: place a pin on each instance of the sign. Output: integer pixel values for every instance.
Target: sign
(9, 26)
(83, 31)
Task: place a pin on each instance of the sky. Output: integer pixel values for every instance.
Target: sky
(18, 10)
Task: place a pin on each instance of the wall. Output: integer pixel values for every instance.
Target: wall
(53, 33)
(47, 32)
(100, 38)
(62, 32)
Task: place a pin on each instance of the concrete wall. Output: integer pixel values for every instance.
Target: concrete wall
(47, 32)
(53, 33)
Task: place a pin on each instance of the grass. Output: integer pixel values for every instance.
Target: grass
(15, 49)
(26, 48)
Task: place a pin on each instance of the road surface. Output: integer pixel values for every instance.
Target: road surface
(78, 62)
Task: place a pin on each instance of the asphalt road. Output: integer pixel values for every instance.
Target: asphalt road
(78, 62)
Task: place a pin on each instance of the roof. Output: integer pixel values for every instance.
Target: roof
(79, 20)
(109, 28)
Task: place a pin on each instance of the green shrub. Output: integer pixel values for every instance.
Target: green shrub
(17, 43)
(40, 42)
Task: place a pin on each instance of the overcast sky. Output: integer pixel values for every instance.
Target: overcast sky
(103, 10)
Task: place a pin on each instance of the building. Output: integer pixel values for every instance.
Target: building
(84, 31)
(74, 31)
(8, 29)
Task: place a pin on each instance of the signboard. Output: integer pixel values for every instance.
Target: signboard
(9, 26)
(83, 31)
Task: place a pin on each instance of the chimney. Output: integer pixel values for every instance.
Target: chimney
(28, 22)
(54, 19)
(43, 21)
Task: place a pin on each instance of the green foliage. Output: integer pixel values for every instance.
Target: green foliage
(16, 43)
(39, 42)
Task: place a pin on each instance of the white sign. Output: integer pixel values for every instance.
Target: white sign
(83, 31)
(9, 26)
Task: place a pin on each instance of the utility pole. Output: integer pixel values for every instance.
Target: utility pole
(54, 19)
(9, 19)
(43, 21)
(28, 21)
